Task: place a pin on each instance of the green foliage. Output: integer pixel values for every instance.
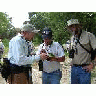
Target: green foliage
(66, 54)
(6, 28)
(51, 55)
(57, 21)
(58, 25)
(37, 39)
(39, 19)
(6, 44)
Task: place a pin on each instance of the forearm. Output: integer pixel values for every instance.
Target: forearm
(59, 59)
(28, 60)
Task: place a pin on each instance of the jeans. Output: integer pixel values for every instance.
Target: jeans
(51, 78)
(80, 76)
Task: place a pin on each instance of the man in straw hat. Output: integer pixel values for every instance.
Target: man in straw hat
(19, 55)
(83, 58)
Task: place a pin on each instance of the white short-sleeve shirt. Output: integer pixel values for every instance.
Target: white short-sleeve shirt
(57, 50)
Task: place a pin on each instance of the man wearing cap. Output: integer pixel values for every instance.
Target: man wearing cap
(82, 43)
(19, 55)
(51, 73)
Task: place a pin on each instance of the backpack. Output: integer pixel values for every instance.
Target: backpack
(5, 68)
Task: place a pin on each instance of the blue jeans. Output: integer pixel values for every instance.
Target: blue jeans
(80, 76)
(51, 78)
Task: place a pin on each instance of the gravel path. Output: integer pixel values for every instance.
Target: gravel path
(37, 75)
(2, 80)
(66, 73)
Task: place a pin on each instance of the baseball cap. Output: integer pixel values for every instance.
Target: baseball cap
(29, 28)
(47, 33)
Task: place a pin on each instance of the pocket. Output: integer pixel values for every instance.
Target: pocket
(84, 70)
(60, 73)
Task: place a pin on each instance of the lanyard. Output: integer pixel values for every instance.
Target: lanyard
(47, 48)
(75, 41)
(29, 49)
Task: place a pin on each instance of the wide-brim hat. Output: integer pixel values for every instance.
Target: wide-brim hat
(29, 28)
(72, 21)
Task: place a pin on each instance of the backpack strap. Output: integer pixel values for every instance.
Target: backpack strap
(83, 46)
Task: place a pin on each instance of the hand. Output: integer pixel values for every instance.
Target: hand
(43, 56)
(42, 51)
(89, 67)
(71, 64)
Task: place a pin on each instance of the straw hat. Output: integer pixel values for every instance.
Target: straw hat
(72, 21)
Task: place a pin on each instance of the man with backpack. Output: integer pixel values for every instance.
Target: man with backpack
(83, 53)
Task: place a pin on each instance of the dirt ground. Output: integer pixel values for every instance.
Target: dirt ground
(66, 73)
(37, 75)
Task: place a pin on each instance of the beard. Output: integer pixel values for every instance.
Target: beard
(76, 32)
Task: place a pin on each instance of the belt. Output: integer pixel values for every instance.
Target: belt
(53, 71)
(77, 65)
(18, 69)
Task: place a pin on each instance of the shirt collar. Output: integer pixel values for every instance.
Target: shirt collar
(48, 45)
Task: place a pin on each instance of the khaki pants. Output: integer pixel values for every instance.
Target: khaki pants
(20, 78)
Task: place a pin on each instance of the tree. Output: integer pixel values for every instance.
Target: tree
(6, 28)
(39, 19)
(57, 21)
